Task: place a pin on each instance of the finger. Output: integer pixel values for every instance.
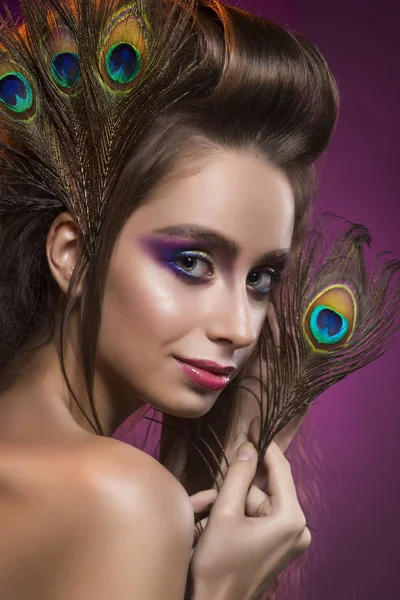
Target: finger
(256, 495)
(201, 501)
(201, 525)
(261, 477)
(238, 479)
(197, 532)
(255, 499)
(274, 477)
(280, 485)
(287, 434)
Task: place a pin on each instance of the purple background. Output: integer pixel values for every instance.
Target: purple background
(357, 422)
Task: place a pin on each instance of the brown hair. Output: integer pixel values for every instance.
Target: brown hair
(262, 89)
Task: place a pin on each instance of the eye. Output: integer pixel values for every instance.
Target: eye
(264, 280)
(195, 265)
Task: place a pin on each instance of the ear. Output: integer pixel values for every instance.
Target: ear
(63, 248)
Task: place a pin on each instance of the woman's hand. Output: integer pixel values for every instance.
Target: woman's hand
(237, 554)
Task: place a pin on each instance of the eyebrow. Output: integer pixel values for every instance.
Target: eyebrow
(219, 242)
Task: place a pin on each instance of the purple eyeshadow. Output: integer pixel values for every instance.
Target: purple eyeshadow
(168, 251)
(165, 250)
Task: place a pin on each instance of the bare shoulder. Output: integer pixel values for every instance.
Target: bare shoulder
(128, 477)
(105, 521)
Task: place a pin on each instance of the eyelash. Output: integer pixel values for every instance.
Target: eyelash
(276, 275)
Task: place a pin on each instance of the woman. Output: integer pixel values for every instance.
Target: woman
(157, 168)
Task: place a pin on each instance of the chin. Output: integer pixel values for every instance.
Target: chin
(187, 412)
(192, 412)
(189, 409)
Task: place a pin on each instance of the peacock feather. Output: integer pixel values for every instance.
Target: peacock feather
(16, 92)
(63, 62)
(332, 316)
(124, 54)
(80, 81)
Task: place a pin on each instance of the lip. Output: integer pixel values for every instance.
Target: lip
(206, 379)
(207, 365)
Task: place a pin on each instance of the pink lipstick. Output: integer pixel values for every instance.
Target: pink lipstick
(206, 379)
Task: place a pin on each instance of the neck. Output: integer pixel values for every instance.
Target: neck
(37, 405)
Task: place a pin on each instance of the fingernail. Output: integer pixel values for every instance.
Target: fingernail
(246, 451)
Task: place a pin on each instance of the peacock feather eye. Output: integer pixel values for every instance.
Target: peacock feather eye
(330, 318)
(17, 96)
(66, 70)
(63, 57)
(123, 63)
(124, 49)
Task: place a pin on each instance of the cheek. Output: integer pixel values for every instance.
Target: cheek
(144, 300)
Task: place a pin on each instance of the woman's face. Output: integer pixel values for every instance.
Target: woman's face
(189, 279)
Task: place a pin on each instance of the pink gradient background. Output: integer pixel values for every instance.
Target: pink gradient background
(355, 552)
(358, 421)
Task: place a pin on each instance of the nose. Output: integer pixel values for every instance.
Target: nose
(232, 320)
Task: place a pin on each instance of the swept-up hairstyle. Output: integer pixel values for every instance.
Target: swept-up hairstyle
(96, 137)
(101, 104)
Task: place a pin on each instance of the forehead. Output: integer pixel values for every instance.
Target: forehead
(239, 194)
